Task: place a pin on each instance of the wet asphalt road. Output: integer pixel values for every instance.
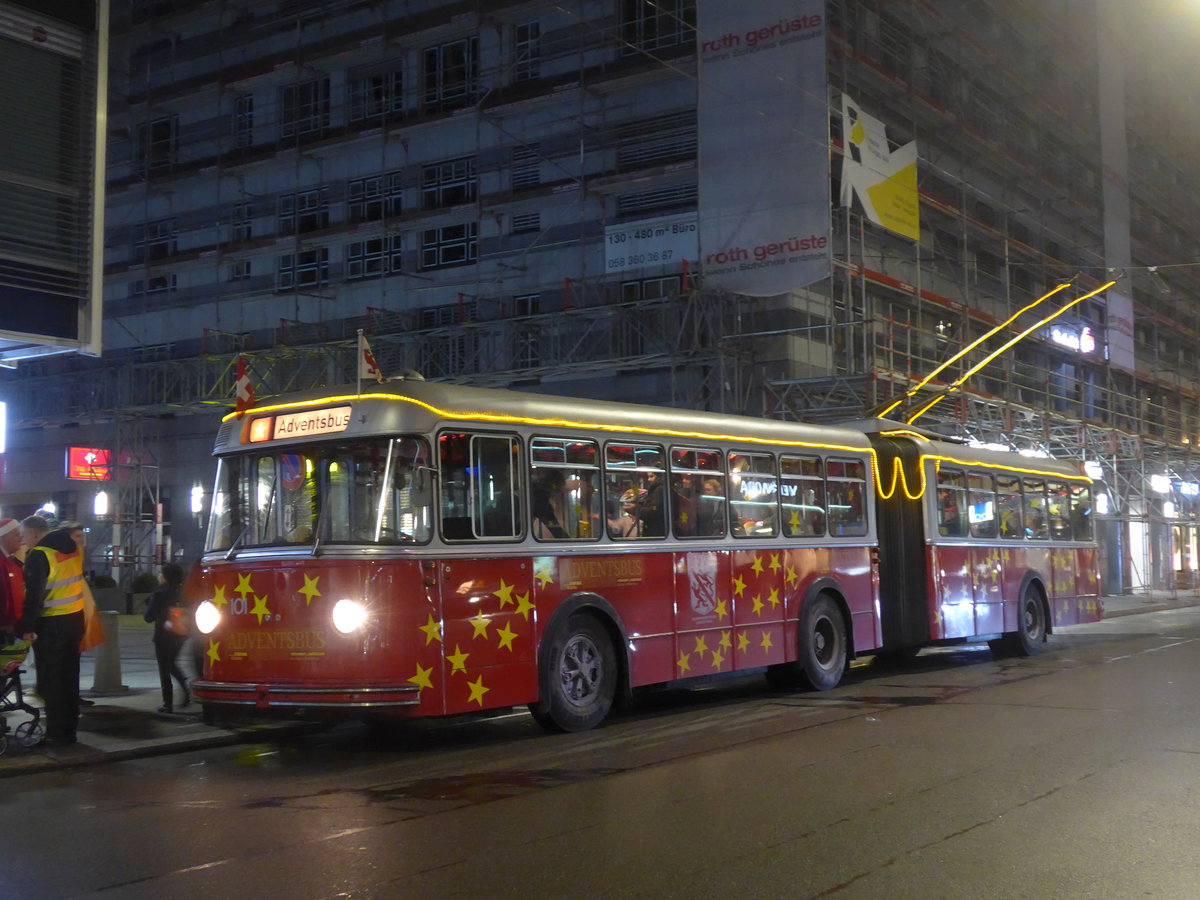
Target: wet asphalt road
(1072, 774)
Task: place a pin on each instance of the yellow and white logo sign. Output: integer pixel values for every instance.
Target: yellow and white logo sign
(878, 181)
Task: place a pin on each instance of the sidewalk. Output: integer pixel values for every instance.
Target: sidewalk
(125, 724)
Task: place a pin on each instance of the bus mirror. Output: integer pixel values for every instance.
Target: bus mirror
(422, 487)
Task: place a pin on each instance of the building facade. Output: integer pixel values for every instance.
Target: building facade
(524, 194)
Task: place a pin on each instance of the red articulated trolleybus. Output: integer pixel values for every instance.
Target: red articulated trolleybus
(431, 549)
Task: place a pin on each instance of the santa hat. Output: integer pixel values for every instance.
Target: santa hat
(7, 525)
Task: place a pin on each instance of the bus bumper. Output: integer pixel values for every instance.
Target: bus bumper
(301, 696)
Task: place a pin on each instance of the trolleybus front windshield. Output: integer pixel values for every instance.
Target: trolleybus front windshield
(374, 491)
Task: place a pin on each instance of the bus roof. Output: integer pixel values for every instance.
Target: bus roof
(422, 406)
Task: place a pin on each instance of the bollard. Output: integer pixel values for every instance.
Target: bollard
(107, 678)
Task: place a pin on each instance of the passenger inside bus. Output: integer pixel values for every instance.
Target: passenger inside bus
(651, 504)
(545, 501)
(625, 523)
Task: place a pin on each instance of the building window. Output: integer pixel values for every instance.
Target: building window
(655, 24)
(452, 245)
(303, 212)
(527, 51)
(525, 223)
(374, 199)
(528, 351)
(677, 197)
(241, 223)
(450, 73)
(650, 288)
(449, 314)
(243, 121)
(376, 96)
(304, 108)
(157, 284)
(660, 140)
(154, 240)
(374, 257)
(526, 166)
(448, 183)
(307, 268)
(239, 270)
(156, 145)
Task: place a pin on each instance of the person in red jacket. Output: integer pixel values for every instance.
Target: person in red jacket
(12, 576)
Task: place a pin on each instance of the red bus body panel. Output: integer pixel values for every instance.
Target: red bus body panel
(458, 634)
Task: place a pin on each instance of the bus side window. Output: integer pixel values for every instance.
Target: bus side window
(1081, 512)
(1058, 507)
(636, 505)
(846, 490)
(754, 490)
(480, 496)
(1036, 526)
(697, 493)
(1009, 505)
(495, 486)
(564, 501)
(951, 503)
(981, 514)
(803, 496)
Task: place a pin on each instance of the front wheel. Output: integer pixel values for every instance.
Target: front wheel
(823, 645)
(578, 676)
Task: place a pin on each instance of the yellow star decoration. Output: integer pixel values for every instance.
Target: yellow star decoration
(505, 594)
(214, 651)
(739, 586)
(725, 643)
(310, 589)
(794, 522)
(422, 679)
(766, 641)
(722, 609)
(243, 587)
(743, 642)
(701, 644)
(717, 659)
(260, 608)
(458, 660)
(775, 564)
(685, 664)
(523, 605)
(773, 599)
(544, 577)
(758, 605)
(480, 624)
(432, 629)
(506, 636)
(790, 576)
(757, 567)
(477, 690)
(219, 600)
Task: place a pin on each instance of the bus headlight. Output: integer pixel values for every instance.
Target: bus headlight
(349, 616)
(208, 616)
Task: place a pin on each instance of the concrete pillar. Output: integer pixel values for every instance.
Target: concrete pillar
(107, 676)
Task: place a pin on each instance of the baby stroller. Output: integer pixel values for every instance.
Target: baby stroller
(28, 734)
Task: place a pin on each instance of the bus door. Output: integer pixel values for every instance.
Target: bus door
(903, 575)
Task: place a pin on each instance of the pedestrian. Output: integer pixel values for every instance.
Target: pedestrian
(12, 576)
(53, 620)
(165, 609)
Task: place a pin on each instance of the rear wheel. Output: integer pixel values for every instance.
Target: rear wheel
(578, 676)
(823, 644)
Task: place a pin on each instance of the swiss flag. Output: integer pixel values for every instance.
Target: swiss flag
(242, 388)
